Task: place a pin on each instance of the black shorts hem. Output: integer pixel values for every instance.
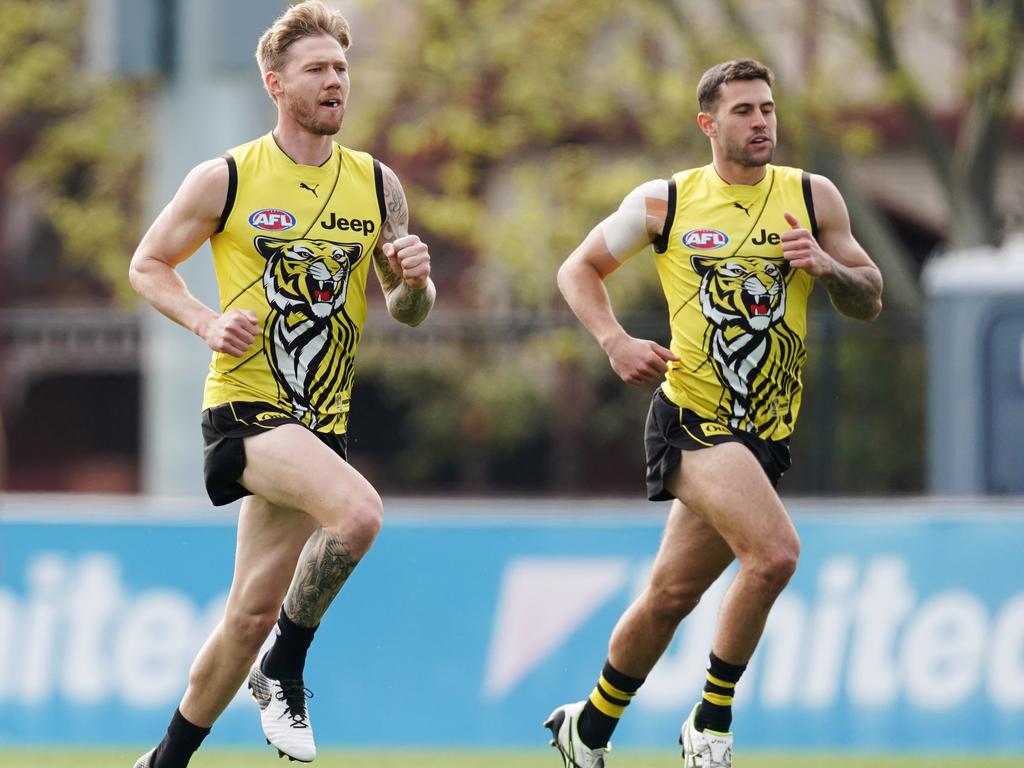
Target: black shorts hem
(670, 430)
(225, 426)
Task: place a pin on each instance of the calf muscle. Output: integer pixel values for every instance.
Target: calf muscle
(324, 567)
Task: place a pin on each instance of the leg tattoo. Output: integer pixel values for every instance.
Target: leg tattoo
(324, 567)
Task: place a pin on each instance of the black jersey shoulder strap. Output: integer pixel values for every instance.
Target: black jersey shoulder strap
(661, 241)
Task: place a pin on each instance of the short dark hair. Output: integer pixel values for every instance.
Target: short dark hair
(737, 69)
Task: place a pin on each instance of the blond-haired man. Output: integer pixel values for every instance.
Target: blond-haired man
(739, 244)
(294, 221)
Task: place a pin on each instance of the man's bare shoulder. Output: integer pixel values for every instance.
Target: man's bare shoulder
(828, 201)
(210, 174)
(656, 189)
(823, 183)
(389, 177)
(205, 188)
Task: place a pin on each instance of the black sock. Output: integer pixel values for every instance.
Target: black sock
(287, 656)
(605, 706)
(716, 705)
(179, 743)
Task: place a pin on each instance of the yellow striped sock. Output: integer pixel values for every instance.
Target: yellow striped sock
(716, 699)
(610, 700)
(605, 705)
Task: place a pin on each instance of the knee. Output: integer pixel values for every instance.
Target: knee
(670, 603)
(358, 522)
(776, 567)
(250, 626)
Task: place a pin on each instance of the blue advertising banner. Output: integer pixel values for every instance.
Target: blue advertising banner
(470, 621)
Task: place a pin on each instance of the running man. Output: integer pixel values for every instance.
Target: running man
(294, 221)
(739, 244)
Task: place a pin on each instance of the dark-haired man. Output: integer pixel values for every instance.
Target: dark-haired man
(738, 246)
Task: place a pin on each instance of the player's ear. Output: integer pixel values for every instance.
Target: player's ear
(707, 124)
(272, 81)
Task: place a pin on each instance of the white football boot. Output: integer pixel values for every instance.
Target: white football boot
(566, 738)
(283, 714)
(143, 762)
(704, 749)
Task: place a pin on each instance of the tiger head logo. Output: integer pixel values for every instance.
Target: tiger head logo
(307, 276)
(744, 301)
(306, 283)
(742, 291)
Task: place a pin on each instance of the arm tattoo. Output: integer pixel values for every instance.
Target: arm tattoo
(410, 306)
(854, 293)
(324, 567)
(397, 205)
(396, 225)
(405, 304)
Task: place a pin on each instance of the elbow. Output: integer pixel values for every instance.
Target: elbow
(564, 278)
(876, 305)
(876, 309)
(868, 306)
(146, 272)
(411, 307)
(583, 271)
(871, 311)
(136, 274)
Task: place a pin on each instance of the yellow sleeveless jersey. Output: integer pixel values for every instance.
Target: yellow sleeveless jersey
(294, 246)
(738, 312)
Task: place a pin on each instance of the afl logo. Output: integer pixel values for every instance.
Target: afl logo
(705, 239)
(272, 219)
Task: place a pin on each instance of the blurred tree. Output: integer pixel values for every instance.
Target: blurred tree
(516, 126)
(990, 37)
(967, 167)
(80, 141)
(511, 145)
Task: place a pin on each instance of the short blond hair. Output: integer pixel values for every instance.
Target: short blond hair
(306, 19)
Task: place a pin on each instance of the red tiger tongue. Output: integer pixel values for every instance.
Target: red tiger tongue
(759, 309)
(321, 295)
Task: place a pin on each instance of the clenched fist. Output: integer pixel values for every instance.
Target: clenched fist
(232, 333)
(409, 259)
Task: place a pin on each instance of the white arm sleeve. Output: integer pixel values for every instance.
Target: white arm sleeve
(625, 231)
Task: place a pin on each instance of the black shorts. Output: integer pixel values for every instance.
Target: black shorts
(224, 426)
(671, 430)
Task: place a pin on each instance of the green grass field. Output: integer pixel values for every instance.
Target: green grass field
(213, 758)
